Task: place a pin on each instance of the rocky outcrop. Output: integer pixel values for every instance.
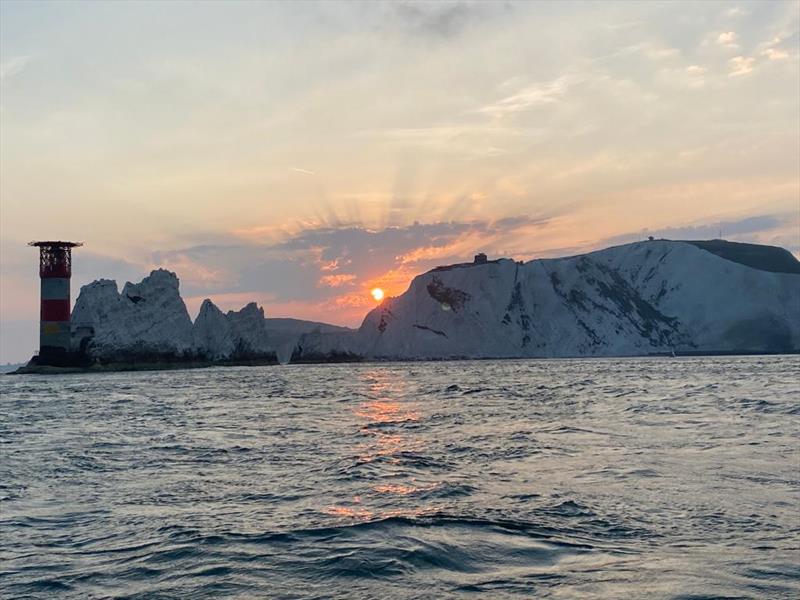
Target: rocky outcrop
(146, 321)
(235, 336)
(250, 331)
(645, 298)
(213, 334)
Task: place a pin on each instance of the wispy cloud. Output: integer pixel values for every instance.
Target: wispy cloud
(337, 280)
(623, 25)
(741, 65)
(14, 66)
(753, 228)
(736, 12)
(777, 229)
(529, 96)
(303, 171)
(477, 140)
(649, 50)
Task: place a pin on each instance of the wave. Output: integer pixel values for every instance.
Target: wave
(526, 479)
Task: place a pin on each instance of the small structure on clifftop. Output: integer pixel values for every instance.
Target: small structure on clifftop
(480, 259)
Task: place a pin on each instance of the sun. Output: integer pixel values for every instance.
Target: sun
(377, 293)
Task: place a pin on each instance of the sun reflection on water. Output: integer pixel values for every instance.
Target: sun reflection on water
(386, 421)
(385, 411)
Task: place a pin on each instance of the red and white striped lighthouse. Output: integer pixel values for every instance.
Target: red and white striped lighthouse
(55, 270)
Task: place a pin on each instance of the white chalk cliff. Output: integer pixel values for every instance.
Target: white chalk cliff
(644, 298)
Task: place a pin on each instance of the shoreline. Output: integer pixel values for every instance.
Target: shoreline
(122, 367)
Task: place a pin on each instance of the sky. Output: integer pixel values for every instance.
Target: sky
(300, 154)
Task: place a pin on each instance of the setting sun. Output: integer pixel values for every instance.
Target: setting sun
(377, 293)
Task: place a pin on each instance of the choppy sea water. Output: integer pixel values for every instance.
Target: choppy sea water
(663, 478)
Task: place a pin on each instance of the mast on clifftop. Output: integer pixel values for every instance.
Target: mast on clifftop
(55, 270)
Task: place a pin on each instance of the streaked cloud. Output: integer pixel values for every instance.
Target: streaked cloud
(529, 96)
(773, 229)
(759, 229)
(337, 280)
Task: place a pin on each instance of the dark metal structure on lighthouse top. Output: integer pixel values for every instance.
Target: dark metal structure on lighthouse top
(55, 270)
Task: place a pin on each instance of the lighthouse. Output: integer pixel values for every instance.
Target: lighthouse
(55, 271)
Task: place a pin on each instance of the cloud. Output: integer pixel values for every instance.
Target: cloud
(649, 50)
(751, 228)
(658, 53)
(741, 65)
(14, 66)
(777, 230)
(775, 54)
(323, 264)
(736, 12)
(744, 65)
(304, 171)
(727, 39)
(623, 25)
(440, 19)
(772, 50)
(337, 280)
(433, 135)
(444, 21)
(695, 70)
(518, 222)
(529, 96)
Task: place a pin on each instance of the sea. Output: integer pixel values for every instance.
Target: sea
(605, 478)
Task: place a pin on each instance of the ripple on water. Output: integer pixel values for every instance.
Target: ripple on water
(577, 478)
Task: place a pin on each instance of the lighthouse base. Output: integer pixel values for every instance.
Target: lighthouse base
(54, 356)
